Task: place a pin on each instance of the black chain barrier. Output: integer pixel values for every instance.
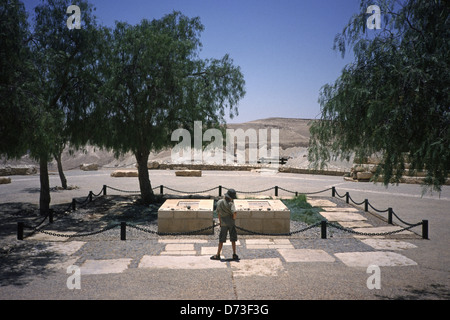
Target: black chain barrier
(191, 192)
(373, 233)
(323, 224)
(186, 233)
(86, 234)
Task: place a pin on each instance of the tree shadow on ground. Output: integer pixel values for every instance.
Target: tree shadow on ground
(434, 291)
(20, 263)
(14, 212)
(20, 260)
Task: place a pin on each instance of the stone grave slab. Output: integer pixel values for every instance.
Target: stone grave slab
(186, 215)
(265, 216)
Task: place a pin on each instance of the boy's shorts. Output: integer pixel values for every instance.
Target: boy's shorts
(223, 233)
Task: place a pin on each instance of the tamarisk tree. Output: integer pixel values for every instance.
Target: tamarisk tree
(47, 77)
(393, 100)
(154, 83)
(17, 79)
(65, 60)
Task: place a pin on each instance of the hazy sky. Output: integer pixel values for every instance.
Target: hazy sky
(284, 47)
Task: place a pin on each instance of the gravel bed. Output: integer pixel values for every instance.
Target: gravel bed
(108, 211)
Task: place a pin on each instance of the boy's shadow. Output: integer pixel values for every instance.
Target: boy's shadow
(229, 260)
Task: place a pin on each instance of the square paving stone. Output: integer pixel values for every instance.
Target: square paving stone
(209, 250)
(68, 248)
(105, 266)
(178, 253)
(354, 224)
(341, 209)
(268, 244)
(321, 203)
(343, 216)
(183, 240)
(180, 262)
(257, 267)
(179, 246)
(388, 244)
(305, 255)
(179, 249)
(378, 258)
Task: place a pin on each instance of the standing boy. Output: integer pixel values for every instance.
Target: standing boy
(227, 215)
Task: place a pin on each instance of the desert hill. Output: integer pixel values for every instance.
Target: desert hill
(293, 141)
(293, 132)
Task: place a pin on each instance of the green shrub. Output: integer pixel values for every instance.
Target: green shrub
(302, 211)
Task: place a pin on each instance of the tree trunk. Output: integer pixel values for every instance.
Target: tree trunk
(62, 177)
(44, 200)
(147, 195)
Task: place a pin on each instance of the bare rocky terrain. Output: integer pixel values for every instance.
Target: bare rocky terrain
(293, 142)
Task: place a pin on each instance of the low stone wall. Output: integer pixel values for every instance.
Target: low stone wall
(19, 170)
(365, 172)
(154, 165)
(124, 173)
(188, 173)
(4, 180)
(89, 167)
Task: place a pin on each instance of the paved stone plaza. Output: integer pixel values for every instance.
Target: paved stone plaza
(270, 267)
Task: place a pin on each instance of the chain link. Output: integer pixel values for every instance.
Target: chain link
(407, 223)
(55, 234)
(140, 228)
(357, 203)
(191, 192)
(171, 233)
(372, 233)
(380, 211)
(251, 192)
(125, 191)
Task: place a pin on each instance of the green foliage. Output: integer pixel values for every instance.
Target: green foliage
(66, 61)
(302, 211)
(46, 80)
(125, 89)
(152, 83)
(394, 99)
(18, 91)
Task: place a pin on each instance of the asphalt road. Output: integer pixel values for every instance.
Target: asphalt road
(429, 279)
